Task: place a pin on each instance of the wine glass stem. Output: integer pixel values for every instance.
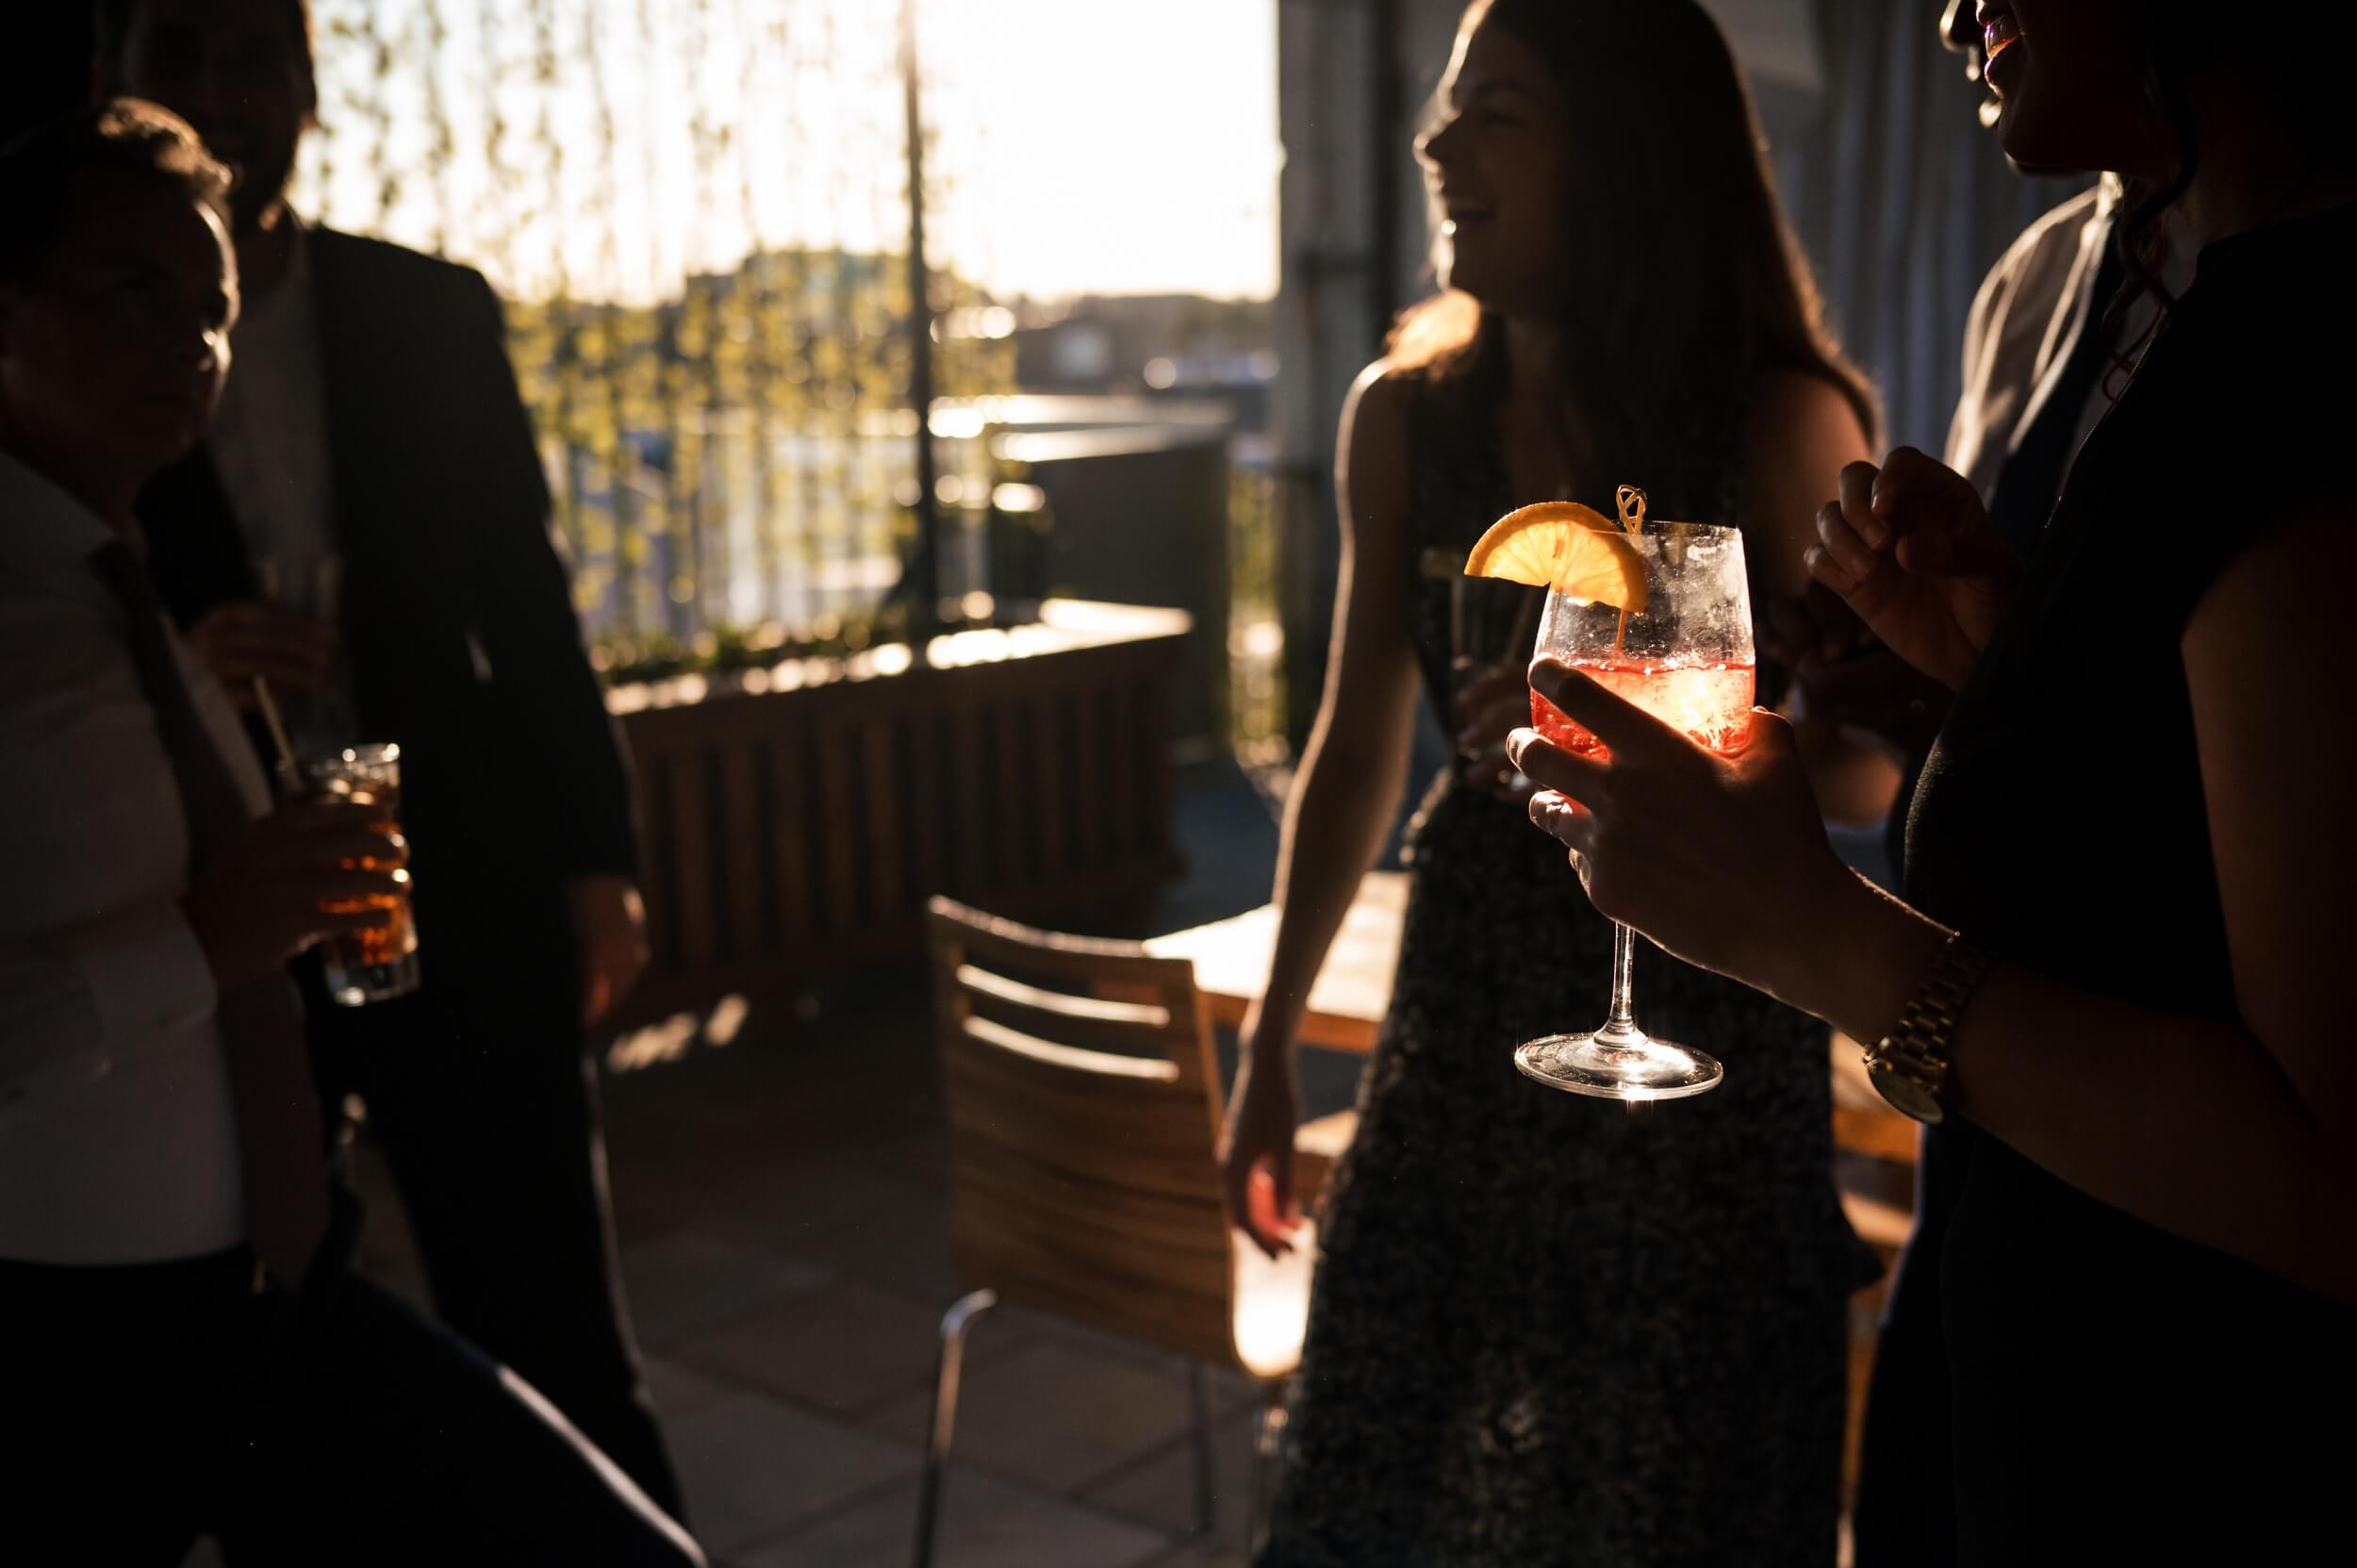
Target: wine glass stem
(1623, 1020)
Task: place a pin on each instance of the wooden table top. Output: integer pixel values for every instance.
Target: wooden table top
(1352, 992)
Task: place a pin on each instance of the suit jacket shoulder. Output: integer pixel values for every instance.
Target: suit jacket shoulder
(432, 305)
(443, 512)
(382, 262)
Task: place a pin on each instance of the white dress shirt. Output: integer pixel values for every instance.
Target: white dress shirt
(117, 1138)
(2026, 319)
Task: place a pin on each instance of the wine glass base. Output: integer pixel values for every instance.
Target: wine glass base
(1631, 1066)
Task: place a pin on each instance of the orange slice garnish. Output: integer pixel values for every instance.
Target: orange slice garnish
(1562, 545)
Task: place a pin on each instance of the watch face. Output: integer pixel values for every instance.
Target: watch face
(1908, 1097)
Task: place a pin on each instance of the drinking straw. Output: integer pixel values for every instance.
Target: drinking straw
(277, 727)
(1525, 622)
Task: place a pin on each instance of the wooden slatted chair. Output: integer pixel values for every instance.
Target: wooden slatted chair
(1084, 1102)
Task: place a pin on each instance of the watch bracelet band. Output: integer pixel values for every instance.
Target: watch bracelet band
(1917, 1047)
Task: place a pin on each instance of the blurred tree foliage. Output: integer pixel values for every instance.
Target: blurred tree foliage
(692, 207)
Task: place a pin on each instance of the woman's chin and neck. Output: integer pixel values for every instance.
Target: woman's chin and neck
(1532, 346)
(1530, 332)
(1534, 349)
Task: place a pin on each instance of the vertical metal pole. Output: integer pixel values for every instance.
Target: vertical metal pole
(1268, 1442)
(1206, 1464)
(922, 583)
(955, 1324)
(1390, 118)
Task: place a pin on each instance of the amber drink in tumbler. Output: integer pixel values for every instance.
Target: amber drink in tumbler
(380, 963)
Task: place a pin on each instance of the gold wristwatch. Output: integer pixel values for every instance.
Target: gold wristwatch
(1908, 1066)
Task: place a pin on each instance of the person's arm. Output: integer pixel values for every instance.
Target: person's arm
(2238, 1135)
(1344, 798)
(541, 678)
(1845, 677)
(1910, 548)
(523, 608)
(2242, 1136)
(80, 997)
(1802, 433)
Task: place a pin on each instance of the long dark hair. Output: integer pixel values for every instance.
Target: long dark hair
(2306, 49)
(2137, 234)
(1685, 283)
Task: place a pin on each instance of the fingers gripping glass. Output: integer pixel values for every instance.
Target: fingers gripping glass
(1686, 658)
(377, 962)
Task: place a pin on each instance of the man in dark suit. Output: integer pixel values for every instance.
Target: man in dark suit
(366, 531)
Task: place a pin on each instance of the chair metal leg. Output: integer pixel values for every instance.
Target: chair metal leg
(1205, 1467)
(1268, 1442)
(955, 1324)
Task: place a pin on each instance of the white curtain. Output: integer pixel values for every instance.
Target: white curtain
(1903, 201)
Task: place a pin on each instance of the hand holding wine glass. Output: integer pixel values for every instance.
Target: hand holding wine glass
(1660, 614)
(1714, 853)
(1910, 546)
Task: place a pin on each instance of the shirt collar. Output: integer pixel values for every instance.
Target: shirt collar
(44, 529)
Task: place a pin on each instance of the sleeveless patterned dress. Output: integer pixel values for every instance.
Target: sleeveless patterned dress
(1549, 1329)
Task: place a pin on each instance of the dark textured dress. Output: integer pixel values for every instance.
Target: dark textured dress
(2115, 1394)
(1550, 1329)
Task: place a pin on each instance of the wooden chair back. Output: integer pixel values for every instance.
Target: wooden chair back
(1084, 1106)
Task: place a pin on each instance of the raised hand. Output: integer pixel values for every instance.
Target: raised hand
(1909, 547)
(242, 642)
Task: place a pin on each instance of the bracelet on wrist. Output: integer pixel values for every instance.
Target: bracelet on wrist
(1908, 1066)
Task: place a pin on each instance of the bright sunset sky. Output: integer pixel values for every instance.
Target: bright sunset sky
(1106, 146)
